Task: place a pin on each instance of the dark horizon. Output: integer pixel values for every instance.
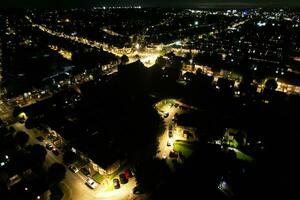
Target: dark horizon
(148, 3)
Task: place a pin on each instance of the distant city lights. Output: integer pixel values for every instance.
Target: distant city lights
(260, 24)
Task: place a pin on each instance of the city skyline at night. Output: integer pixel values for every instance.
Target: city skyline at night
(140, 100)
(152, 3)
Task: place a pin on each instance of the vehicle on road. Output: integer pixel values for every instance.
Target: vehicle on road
(85, 171)
(182, 107)
(55, 151)
(116, 183)
(91, 183)
(128, 173)
(173, 154)
(138, 190)
(49, 146)
(123, 178)
(40, 138)
(74, 169)
(170, 134)
(166, 115)
(169, 143)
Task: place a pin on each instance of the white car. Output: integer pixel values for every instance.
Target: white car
(169, 143)
(92, 184)
(73, 169)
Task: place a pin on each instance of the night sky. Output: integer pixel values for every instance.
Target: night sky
(157, 3)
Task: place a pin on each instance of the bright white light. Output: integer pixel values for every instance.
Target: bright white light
(73, 150)
(178, 43)
(196, 23)
(260, 24)
(137, 46)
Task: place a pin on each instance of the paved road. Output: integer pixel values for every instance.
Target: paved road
(164, 150)
(73, 185)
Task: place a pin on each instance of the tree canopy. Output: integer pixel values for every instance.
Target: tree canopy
(21, 138)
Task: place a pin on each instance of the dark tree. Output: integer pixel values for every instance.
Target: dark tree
(38, 153)
(56, 193)
(188, 58)
(137, 57)
(161, 62)
(69, 157)
(124, 59)
(30, 123)
(17, 111)
(271, 84)
(56, 173)
(148, 171)
(21, 138)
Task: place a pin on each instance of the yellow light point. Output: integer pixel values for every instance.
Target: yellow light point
(22, 115)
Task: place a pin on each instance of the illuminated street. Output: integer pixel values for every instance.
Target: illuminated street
(74, 186)
(127, 100)
(167, 106)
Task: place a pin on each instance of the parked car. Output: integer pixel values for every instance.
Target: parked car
(85, 171)
(123, 178)
(74, 169)
(166, 115)
(91, 183)
(138, 190)
(55, 151)
(173, 154)
(116, 183)
(128, 173)
(40, 138)
(170, 134)
(169, 143)
(49, 146)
